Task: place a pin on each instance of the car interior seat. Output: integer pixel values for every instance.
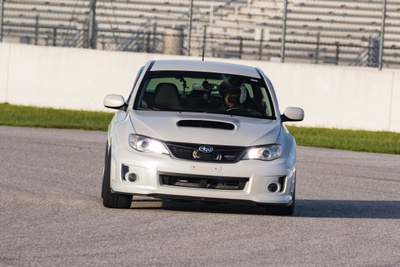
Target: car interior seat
(167, 96)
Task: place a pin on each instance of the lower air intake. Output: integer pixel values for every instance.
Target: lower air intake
(223, 183)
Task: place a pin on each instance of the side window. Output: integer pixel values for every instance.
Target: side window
(254, 100)
(249, 88)
(266, 102)
(152, 85)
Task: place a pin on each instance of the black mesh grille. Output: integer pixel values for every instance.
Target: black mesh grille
(225, 154)
(223, 183)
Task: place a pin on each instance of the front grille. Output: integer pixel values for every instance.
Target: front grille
(221, 154)
(223, 183)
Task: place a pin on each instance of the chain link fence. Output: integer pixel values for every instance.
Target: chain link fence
(362, 33)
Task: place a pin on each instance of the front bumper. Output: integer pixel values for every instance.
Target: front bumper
(162, 176)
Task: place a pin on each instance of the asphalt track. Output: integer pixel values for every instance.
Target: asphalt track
(51, 214)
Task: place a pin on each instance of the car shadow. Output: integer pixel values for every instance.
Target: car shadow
(188, 206)
(372, 209)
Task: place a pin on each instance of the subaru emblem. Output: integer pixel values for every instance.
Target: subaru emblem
(206, 149)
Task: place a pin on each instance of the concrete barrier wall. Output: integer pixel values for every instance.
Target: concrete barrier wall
(338, 97)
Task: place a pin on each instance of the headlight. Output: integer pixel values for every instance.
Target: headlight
(269, 152)
(146, 144)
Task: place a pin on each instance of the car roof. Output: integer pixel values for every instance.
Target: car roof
(205, 66)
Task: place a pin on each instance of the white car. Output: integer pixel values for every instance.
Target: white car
(201, 131)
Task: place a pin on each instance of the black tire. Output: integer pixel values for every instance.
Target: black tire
(281, 210)
(112, 200)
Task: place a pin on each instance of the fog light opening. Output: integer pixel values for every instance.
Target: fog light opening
(132, 177)
(274, 187)
(124, 171)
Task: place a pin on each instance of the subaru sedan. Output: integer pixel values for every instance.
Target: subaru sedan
(201, 131)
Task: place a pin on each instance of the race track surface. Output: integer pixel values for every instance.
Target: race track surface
(51, 212)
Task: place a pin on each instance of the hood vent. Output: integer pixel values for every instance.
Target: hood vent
(206, 124)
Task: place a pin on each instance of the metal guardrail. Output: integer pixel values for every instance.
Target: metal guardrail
(362, 33)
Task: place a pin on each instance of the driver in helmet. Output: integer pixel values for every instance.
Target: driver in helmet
(233, 95)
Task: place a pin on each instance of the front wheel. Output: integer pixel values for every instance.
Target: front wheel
(110, 199)
(281, 210)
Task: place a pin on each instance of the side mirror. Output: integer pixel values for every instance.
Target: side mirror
(292, 114)
(114, 102)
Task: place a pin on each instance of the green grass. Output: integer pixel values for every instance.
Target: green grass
(366, 141)
(26, 116)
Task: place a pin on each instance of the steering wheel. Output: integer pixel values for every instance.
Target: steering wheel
(237, 111)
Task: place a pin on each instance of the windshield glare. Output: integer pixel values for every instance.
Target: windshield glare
(204, 92)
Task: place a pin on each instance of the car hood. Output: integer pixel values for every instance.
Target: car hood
(205, 128)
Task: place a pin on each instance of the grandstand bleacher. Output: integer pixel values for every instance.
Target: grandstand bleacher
(341, 32)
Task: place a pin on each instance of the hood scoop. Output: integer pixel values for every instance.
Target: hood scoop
(206, 124)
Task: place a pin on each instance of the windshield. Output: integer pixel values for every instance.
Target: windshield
(204, 92)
